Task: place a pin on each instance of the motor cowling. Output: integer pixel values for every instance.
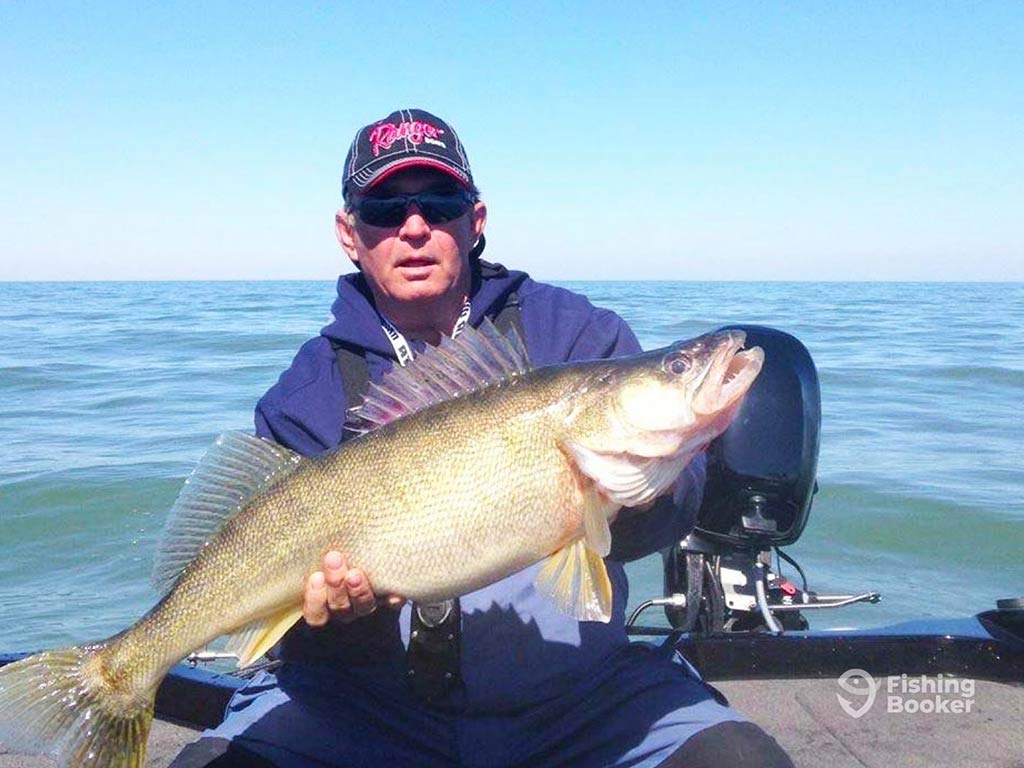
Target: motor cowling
(761, 472)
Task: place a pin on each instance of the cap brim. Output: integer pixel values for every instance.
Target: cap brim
(415, 162)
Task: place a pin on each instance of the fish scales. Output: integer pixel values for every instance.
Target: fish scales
(500, 494)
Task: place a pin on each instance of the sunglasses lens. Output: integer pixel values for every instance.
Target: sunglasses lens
(436, 208)
(383, 211)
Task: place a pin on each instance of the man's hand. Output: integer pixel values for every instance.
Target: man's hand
(340, 593)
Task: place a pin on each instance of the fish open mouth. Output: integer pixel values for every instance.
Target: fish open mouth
(731, 372)
(740, 373)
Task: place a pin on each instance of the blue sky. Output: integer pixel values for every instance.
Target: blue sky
(704, 141)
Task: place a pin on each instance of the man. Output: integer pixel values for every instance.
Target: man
(500, 677)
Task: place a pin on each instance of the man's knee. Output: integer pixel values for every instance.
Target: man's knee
(729, 745)
(212, 752)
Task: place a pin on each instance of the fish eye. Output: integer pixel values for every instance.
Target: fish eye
(677, 363)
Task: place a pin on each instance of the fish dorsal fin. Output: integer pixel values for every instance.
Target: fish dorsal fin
(476, 358)
(235, 468)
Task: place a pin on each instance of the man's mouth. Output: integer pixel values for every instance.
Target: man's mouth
(416, 261)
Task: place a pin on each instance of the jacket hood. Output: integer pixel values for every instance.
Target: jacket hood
(357, 324)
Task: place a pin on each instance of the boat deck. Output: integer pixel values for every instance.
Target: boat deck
(807, 720)
(805, 717)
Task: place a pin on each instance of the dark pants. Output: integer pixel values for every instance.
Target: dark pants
(726, 745)
(640, 707)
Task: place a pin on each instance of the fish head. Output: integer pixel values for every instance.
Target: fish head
(692, 385)
(673, 400)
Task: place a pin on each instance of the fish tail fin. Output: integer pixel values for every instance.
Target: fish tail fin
(61, 703)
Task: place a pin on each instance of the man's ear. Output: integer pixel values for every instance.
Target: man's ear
(345, 234)
(479, 219)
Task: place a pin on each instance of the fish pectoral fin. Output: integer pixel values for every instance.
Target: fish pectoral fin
(627, 479)
(596, 533)
(576, 578)
(254, 640)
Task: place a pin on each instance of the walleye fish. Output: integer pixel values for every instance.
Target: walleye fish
(472, 467)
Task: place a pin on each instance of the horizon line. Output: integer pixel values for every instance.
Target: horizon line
(72, 281)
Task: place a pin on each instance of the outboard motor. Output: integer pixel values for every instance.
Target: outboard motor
(761, 480)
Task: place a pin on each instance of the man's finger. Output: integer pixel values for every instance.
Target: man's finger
(333, 561)
(335, 570)
(314, 601)
(360, 593)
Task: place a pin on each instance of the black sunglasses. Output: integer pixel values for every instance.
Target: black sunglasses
(435, 207)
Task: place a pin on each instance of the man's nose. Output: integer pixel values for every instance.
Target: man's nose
(414, 225)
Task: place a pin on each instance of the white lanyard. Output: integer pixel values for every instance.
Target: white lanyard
(402, 349)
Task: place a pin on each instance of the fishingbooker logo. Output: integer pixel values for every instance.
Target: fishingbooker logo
(861, 684)
(417, 132)
(941, 694)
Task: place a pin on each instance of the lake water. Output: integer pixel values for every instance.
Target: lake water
(110, 392)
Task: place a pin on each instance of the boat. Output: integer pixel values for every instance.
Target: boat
(927, 692)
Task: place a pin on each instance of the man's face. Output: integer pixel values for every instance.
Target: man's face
(415, 259)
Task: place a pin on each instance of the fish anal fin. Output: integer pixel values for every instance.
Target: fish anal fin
(256, 639)
(576, 578)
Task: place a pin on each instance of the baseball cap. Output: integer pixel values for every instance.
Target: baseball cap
(404, 139)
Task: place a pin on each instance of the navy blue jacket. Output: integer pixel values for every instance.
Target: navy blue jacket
(506, 626)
